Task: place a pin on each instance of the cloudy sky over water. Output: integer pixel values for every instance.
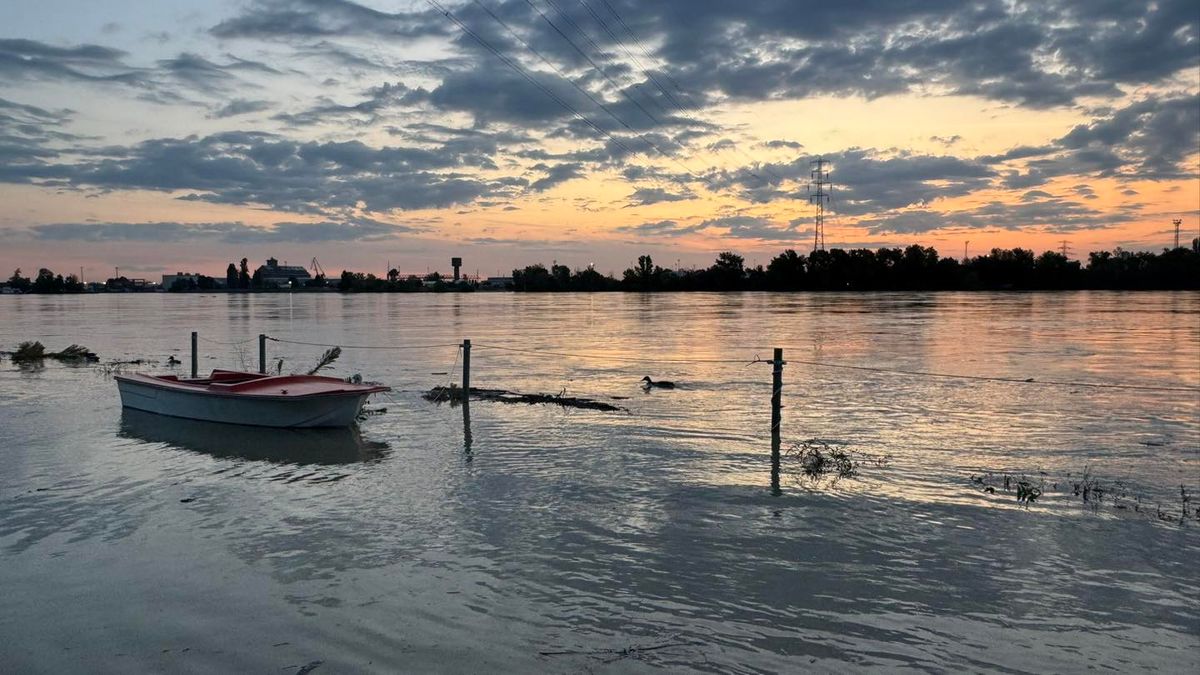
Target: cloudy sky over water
(180, 135)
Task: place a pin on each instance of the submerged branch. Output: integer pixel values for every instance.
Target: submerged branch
(455, 394)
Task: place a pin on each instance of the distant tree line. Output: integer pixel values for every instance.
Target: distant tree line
(889, 269)
(885, 269)
(357, 282)
(46, 281)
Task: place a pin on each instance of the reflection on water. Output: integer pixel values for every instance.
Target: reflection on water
(456, 539)
(234, 441)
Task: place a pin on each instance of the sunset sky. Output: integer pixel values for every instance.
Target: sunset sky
(163, 136)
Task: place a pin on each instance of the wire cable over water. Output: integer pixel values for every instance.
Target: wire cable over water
(756, 359)
(626, 359)
(990, 378)
(345, 346)
(235, 343)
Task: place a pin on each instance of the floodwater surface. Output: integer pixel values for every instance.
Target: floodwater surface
(543, 539)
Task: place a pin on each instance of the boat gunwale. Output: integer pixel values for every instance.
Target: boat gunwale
(182, 387)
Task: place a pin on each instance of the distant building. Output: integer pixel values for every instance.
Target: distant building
(168, 280)
(126, 285)
(274, 275)
(498, 282)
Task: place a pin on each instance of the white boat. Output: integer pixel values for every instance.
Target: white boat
(293, 401)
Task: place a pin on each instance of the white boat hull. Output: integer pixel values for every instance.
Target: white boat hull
(293, 412)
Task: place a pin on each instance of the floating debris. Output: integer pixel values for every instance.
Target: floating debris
(121, 367)
(454, 395)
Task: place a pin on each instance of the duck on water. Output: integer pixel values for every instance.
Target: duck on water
(661, 384)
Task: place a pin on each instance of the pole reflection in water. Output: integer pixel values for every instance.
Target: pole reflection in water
(775, 489)
(467, 430)
(285, 446)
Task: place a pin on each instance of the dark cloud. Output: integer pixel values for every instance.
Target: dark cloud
(946, 140)
(555, 175)
(864, 180)
(98, 65)
(494, 92)
(378, 100)
(1043, 54)
(290, 19)
(1038, 55)
(661, 228)
(253, 168)
(734, 226)
(239, 106)
(1151, 139)
(225, 232)
(33, 60)
(1050, 214)
(29, 134)
(750, 227)
(648, 196)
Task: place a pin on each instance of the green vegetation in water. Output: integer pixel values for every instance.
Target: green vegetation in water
(817, 462)
(33, 353)
(1091, 492)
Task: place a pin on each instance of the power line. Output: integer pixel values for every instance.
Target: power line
(558, 71)
(520, 71)
(600, 52)
(600, 70)
(663, 89)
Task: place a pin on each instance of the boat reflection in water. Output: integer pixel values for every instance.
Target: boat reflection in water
(341, 445)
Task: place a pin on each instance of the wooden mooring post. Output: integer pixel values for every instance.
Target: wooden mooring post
(777, 392)
(262, 353)
(776, 415)
(195, 362)
(466, 374)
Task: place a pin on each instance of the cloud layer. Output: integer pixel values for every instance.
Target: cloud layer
(351, 115)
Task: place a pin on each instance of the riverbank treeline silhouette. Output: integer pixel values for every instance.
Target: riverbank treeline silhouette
(915, 268)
